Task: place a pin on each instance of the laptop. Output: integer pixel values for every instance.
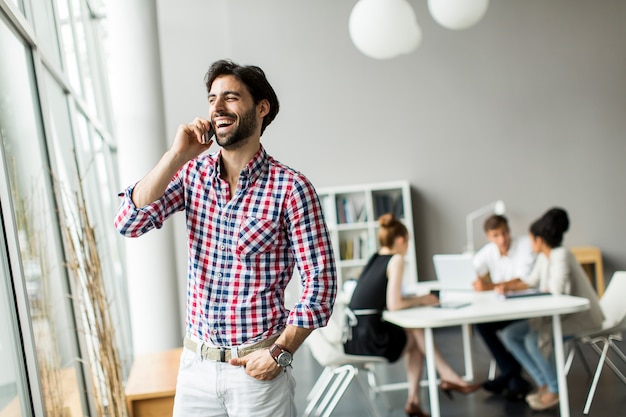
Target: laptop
(455, 271)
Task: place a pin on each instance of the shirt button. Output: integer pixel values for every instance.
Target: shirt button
(224, 218)
(222, 247)
(214, 331)
(219, 275)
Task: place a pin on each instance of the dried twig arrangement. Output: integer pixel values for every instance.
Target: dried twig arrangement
(34, 256)
(83, 264)
(48, 359)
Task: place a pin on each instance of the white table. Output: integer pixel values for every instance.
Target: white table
(486, 307)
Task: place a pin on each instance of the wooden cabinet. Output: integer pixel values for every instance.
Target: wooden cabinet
(590, 258)
(151, 384)
(352, 213)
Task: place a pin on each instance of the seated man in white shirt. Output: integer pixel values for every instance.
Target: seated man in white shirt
(501, 260)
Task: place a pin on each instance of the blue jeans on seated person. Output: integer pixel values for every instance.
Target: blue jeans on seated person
(509, 367)
(523, 343)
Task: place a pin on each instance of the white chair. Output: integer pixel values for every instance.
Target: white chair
(614, 309)
(340, 369)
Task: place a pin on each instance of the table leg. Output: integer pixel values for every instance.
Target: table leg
(432, 376)
(560, 365)
(467, 353)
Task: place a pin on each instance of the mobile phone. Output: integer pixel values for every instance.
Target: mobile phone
(208, 135)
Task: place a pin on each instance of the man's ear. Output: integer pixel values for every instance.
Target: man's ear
(263, 107)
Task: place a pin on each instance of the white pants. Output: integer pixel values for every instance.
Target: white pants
(207, 388)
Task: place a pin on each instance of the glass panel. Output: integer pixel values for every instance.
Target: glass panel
(62, 148)
(19, 4)
(84, 152)
(82, 55)
(76, 36)
(86, 236)
(13, 397)
(109, 247)
(96, 173)
(45, 27)
(39, 241)
(69, 45)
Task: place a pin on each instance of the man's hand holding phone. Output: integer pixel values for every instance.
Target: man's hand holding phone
(189, 142)
(192, 139)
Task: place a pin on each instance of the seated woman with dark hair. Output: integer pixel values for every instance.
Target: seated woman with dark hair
(556, 270)
(380, 287)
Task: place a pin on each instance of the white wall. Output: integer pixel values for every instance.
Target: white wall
(529, 106)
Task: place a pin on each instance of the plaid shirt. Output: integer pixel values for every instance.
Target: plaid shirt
(242, 250)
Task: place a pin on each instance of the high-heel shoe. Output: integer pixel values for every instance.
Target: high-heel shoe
(447, 387)
(415, 411)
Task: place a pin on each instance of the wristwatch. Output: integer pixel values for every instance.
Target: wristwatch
(281, 356)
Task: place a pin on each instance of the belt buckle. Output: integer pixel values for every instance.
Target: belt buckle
(222, 354)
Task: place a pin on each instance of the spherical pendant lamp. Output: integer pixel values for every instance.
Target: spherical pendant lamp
(457, 14)
(384, 29)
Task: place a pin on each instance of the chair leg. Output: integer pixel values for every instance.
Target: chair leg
(332, 385)
(328, 384)
(492, 369)
(575, 348)
(617, 350)
(609, 362)
(615, 369)
(368, 388)
(348, 374)
(570, 359)
(594, 384)
(371, 380)
(344, 374)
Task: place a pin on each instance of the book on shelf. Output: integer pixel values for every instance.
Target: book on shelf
(348, 212)
(381, 204)
(350, 249)
(356, 247)
(362, 216)
(398, 208)
(350, 209)
(341, 211)
(385, 203)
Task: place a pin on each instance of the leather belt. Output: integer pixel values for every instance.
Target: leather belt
(224, 354)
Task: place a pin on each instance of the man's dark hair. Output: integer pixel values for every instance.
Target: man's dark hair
(253, 78)
(494, 222)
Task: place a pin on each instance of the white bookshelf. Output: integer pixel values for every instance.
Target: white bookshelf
(351, 214)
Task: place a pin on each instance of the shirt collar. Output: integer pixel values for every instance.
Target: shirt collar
(251, 171)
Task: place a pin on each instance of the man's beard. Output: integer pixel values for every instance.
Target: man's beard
(245, 130)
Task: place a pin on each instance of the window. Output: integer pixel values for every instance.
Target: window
(13, 388)
(53, 135)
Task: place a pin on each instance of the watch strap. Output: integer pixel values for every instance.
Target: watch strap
(276, 350)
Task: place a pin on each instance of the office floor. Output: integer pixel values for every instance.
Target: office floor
(609, 400)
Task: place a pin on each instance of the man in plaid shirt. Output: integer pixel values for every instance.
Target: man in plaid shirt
(250, 220)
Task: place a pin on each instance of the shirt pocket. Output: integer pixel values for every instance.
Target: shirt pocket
(256, 236)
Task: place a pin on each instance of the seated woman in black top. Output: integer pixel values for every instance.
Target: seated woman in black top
(380, 287)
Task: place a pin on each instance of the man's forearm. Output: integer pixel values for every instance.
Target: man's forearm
(153, 186)
(293, 337)
(515, 284)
